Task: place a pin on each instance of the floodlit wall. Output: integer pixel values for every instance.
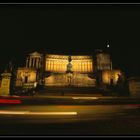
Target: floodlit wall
(103, 61)
(58, 63)
(78, 80)
(56, 80)
(107, 75)
(134, 87)
(34, 60)
(25, 75)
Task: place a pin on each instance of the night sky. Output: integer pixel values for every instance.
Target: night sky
(71, 29)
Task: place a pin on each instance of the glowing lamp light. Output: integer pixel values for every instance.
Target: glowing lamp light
(35, 84)
(108, 46)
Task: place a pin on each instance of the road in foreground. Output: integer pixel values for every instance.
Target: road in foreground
(70, 120)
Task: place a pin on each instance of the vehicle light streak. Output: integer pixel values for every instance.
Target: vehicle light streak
(85, 98)
(8, 101)
(134, 105)
(36, 113)
(13, 112)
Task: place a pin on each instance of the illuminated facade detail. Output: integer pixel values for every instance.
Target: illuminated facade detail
(103, 61)
(26, 76)
(34, 60)
(110, 77)
(58, 63)
(134, 86)
(76, 80)
(65, 70)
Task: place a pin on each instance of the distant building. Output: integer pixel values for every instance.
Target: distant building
(64, 70)
(26, 77)
(110, 76)
(134, 86)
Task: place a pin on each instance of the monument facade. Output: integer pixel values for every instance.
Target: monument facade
(67, 70)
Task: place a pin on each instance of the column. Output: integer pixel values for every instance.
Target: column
(91, 66)
(39, 62)
(27, 62)
(30, 62)
(59, 64)
(75, 66)
(64, 66)
(81, 67)
(38, 59)
(52, 65)
(33, 62)
(53, 68)
(48, 65)
(87, 66)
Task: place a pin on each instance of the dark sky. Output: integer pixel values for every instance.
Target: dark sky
(71, 29)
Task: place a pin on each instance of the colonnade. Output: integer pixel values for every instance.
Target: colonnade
(34, 62)
(56, 65)
(82, 66)
(77, 65)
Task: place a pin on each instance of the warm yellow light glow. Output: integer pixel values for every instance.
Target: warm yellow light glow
(13, 112)
(86, 98)
(36, 113)
(22, 73)
(107, 75)
(58, 63)
(63, 80)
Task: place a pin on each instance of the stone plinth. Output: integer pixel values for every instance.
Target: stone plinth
(5, 84)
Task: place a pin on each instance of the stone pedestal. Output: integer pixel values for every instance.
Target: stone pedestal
(134, 87)
(70, 79)
(5, 84)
